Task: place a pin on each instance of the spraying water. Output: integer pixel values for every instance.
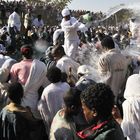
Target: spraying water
(135, 7)
(133, 50)
(91, 57)
(40, 48)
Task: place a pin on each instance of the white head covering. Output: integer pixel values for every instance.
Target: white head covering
(87, 71)
(65, 12)
(83, 69)
(131, 108)
(56, 35)
(132, 86)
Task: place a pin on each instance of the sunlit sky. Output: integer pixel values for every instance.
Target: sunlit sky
(98, 5)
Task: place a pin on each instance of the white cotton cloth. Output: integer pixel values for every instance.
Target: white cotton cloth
(113, 65)
(132, 87)
(70, 28)
(65, 63)
(36, 79)
(84, 69)
(83, 28)
(14, 21)
(131, 108)
(65, 12)
(37, 23)
(71, 43)
(51, 101)
(56, 35)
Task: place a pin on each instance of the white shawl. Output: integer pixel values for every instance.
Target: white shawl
(131, 108)
(36, 79)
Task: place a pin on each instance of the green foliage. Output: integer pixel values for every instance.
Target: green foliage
(124, 15)
(60, 4)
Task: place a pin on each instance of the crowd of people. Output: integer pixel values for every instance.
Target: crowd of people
(67, 82)
(51, 9)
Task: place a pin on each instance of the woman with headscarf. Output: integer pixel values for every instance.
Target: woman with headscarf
(131, 108)
(31, 73)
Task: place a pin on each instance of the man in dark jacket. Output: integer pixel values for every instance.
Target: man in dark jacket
(97, 103)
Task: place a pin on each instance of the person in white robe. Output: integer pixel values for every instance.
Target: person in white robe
(14, 20)
(131, 108)
(36, 79)
(57, 36)
(112, 66)
(5, 57)
(31, 73)
(65, 63)
(70, 27)
(38, 22)
(52, 97)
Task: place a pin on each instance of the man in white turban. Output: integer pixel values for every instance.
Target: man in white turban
(70, 27)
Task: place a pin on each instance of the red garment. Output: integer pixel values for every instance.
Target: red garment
(90, 130)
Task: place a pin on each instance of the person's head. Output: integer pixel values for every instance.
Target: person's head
(72, 103)
(26, 51)
(101, 36)
(10, 50)
(3, 37)
(107, 43)
(64, 77)
(39, 17)
(83, 70)
(54, 75)
(133, 19)
(58, 37)
(16, 10)
(97, 102)
(66, 14)
(15, 92)
(58, 52)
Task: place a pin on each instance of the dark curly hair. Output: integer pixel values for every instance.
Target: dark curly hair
(108, 43)
(15, 92)
(99, 97)
(72, 103)
(54, 75)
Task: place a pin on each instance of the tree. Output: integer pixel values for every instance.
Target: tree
(60, 4)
